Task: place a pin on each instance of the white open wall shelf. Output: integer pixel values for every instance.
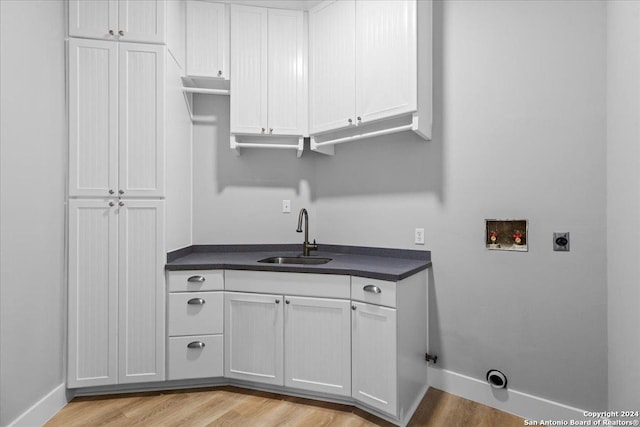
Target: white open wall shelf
(203, 86)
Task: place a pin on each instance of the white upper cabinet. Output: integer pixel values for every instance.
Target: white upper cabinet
(207, 40)
(386, 59)
(249, 69)
(126, 20)
(287, 99)
(332, 66)
(365, 59)
(116, 119)
(268, 90)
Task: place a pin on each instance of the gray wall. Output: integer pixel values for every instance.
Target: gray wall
(623, 202)
(32, 198)
(519, 133)
(238, 199)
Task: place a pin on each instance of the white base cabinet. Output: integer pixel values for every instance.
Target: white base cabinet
(389, 343)
(116, 292)
(196, 324)
(254, 337)
(359, 340)
(197, 356)
(317, 343)
(374, 353)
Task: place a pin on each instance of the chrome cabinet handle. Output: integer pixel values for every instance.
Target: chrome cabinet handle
(111, 204)
(111, 32)
(350, 121)
(277, 301)
(287, 301)
(121, 203)
(120, 191)
(219, 73)
(111, 191)
(353, 307)
(121, 32)
(359, 119)
(263, 129)
(196, 301)
(270, 130)
(198, 279)
(372, 288)
(196, 344)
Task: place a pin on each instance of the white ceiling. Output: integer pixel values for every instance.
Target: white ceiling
(279, 4)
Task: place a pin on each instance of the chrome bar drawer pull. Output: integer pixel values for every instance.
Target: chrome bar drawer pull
(196, 301)
(196, 344)
(199, 279)
(372, 288)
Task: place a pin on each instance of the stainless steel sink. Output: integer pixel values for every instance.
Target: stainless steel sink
(295, 260)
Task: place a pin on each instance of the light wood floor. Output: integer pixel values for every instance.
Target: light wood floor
(232, 406)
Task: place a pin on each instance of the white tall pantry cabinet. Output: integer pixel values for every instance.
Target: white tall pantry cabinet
(116, 190)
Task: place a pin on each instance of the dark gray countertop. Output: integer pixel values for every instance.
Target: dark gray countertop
(374, 263)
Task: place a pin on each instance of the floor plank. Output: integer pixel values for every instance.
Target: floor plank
(233, 406)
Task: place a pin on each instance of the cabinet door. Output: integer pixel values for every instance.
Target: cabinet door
(249, 69)
(207, 43)
(374, 363)
(141, 291)
(141, 21)
(253, 337)
(141, 136)
(317, 334)
(93, 117)
(287, 98)
(386, 58)
(93, 19)
(332, 73)
(93, 293)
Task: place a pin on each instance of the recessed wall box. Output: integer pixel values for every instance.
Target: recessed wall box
(507, 234)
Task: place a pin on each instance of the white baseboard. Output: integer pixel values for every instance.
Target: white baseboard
(514, 402)
(44, 409)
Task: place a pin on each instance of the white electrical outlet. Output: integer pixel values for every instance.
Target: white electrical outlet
(286, 206)
(419, 237)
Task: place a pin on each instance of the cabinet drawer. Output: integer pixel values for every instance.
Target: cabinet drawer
(196, 357)
(281, 283)
(196, 313)
(373, 291)
(196, 280)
